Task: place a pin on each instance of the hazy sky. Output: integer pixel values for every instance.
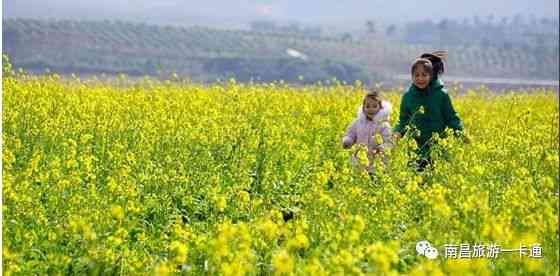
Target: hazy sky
(308, 11)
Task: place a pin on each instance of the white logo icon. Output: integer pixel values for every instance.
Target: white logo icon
(424, 248)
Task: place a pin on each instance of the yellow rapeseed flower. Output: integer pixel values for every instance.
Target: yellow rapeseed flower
(179, 251)
(282, 262)
(117, 212)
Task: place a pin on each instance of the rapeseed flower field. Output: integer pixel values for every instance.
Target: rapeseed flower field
(159, 177)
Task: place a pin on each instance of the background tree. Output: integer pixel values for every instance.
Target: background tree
(391, 29)
(371, 27)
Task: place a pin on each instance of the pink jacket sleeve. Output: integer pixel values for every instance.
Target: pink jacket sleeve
(350, 138)
(387, 135)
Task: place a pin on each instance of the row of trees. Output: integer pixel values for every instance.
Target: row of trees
(205, 54)
(506, 33)
(293, 28)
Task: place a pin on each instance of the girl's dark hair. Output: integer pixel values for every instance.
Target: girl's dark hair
(426, 63)
(436, 58)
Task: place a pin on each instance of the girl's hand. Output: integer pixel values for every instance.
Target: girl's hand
(376, 151)
(346, 144)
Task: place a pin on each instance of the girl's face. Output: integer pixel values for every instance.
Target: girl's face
(371, 107)
(421, 77)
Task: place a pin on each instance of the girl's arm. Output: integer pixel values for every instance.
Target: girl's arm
(387, 135)
(452, 119)
(350, 138)
(404, 118)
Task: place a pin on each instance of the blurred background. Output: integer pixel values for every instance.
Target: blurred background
(503, 43)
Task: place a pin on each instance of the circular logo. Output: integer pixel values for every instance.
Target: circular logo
(424, 248)
(431, 253)
(421, 247)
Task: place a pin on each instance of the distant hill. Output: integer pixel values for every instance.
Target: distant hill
(178, 12)
(205, 54)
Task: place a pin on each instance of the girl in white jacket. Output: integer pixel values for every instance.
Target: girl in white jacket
(372, 120)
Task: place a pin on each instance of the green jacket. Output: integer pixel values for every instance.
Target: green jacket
(436, 115)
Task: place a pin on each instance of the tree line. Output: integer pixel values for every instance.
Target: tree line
(205, 54)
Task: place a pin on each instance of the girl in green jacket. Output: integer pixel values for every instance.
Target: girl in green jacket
(427, 107)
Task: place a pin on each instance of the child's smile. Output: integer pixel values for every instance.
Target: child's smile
(421, 77)
(371, 108)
